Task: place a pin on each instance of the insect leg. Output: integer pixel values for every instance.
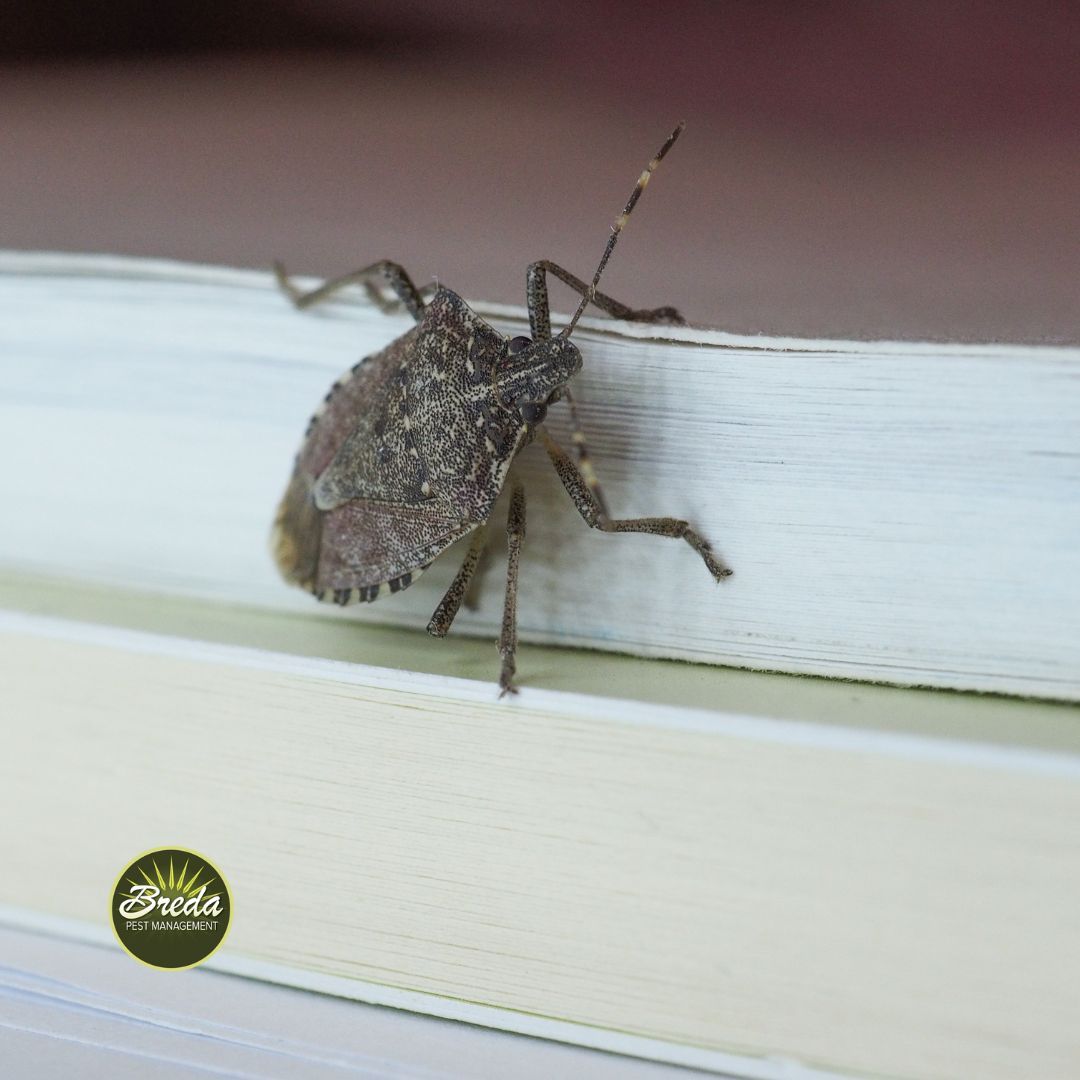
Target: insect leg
(391, 307)
(590, 509)
(515, 532)
(476, 586)
(536, 297)
(540, 324)
(449, 605)
(585, 465)
(399, 281)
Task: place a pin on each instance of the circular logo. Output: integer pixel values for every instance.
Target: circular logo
(171, 908)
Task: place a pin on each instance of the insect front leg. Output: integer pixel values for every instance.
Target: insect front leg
(536, 298)
(515, 533)
(590, 509)
(450, 604)
(390, 272)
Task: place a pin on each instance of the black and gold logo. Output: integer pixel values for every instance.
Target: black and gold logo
(171, 908)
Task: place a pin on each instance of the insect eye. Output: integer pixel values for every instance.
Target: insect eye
(532, 412)
(518, 344)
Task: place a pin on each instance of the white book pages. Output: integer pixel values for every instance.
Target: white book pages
(900, 512)
(701, 887)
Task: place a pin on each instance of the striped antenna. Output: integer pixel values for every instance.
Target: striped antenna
(620, 222)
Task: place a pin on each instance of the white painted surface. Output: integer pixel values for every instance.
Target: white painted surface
(900, 512)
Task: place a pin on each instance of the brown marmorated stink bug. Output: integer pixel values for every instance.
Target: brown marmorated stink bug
(412, 446)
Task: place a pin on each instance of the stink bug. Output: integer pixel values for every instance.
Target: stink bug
(412, 446)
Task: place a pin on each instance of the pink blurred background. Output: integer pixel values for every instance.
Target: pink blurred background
(868, 170)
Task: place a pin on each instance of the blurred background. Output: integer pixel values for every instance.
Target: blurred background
(849, 169)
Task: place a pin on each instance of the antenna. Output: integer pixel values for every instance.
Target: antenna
(620, 222)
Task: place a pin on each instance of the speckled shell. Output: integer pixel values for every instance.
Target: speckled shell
(407, 454)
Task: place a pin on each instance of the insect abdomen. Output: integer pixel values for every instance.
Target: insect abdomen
(297, 535)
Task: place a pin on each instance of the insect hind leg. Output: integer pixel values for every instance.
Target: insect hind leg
(389, 272)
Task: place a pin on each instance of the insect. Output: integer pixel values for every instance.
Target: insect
(411, 448)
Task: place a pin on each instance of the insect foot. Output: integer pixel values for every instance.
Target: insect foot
(411, 447)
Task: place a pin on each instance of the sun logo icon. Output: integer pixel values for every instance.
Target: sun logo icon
(169, 919)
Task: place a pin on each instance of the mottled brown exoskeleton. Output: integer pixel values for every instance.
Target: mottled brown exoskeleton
(411, 447)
